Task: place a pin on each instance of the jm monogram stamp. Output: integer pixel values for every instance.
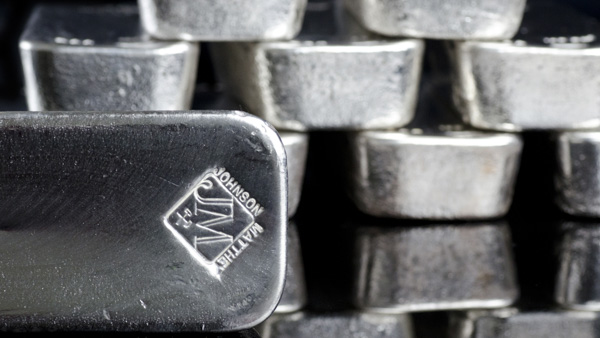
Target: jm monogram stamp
(215, 220)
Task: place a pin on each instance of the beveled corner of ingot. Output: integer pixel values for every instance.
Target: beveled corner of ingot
(160, 221)
(576, 179)
(195, 20)
(296, 146)
(294, 295)
(71, 64)
(515, 323)
(434, 19)
(429, 175)
(529, 82)
(408, 269)
(283, 81)
(577, 274)
(344, 324)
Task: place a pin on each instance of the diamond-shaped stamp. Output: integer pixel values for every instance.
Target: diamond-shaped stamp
(215, 220)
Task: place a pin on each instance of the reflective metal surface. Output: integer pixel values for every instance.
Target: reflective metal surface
(578, 173)
(330, 77)
(351, 325)
(296, 147)
(577, 284)
(434, 175)
(97, 59)
(294, 291)
(440, 19)
(543, 79)
(530, 324)
(434, 267)
(157, 221)
(232, 20)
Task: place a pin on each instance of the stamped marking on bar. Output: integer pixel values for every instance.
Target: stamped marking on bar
(215, 220)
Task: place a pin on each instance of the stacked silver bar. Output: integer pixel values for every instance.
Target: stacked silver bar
(433, 183)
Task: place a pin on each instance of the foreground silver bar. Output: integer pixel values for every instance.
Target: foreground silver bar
(348, 325)
(578, 283)
(154, 221)
(231, 20)
(285, 82)
(434, 268)
(578, 175)
(428, 174)
(542, 79)
(294, 292)
(514, 324)
(296, 147)
(96, 59)
(440, 19)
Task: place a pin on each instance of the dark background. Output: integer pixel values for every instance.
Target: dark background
(326, 217)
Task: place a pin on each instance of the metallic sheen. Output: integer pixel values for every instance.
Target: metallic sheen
(427, 174)
(296, 147)
(330, 77)
(577, 285)
(347, 325)
(578, 173)
(544, 79)
(94, 234)
(294, 292)
(231, 20)
(440, 19)
(96, 59)
(530, 324)
(434, 267)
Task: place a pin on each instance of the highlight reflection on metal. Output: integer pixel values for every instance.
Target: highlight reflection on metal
(85, 199)
(531, 82)
(231, 20)
(578, 173)
(294, 292)
(530, 324)
(440, 19)
(425, 174)
(577, 284)
(296, 147)
(348, 324)
(434, 267)
(96, 59)
(333, 76)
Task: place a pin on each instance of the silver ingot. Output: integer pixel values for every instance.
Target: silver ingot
(318, 81)
(231, 20)
(578, 175)
(578, 282)
(425, 174)
(440, 19)
(294, 292)
(159, 221)
(434, 268)
(543, 79)
(347, 325)
(296, 147)
(531, 324)
(96, 59)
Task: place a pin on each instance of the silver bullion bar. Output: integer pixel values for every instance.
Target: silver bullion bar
(295, 143)
(529, 324)
(577, 177)
(232, 20)
(578, 281)
(149, 221)
(370, 82)
(440, 19)
(84, 58)
(345, 324)
(543, 79)
(294, 292)
(433, 174)
(434, 268)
